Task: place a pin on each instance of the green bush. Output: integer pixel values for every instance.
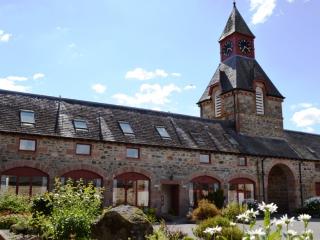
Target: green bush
(204, 210)
(42, 204)
(312, 207)
(6, 221)
(228, 231)
(66, 212)
(164, 233)
(151, 214)
(12, 203)
(232, 210)
(23, 226)
(217, 198)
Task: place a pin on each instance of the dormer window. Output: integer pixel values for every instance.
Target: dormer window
(27, 117)
(80, 125)
(126, 128)
(217, 106)
(163, 132)
(259, 101)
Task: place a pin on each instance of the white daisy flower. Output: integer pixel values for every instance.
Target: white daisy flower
(287, 220)
(304, 217)
(268, 207)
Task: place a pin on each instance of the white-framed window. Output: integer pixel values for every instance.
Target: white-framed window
(27, 145)
(80, 124)
(133, 153)
(126, 128)
(83, 149)
(204, 158)
(163, 132)
(259, 101)
(27, 117)
(217, 103)
(242, 161)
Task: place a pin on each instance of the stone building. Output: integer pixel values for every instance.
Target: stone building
(164, 160)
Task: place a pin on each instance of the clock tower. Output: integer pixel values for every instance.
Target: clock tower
(240, 91)
(236, 39)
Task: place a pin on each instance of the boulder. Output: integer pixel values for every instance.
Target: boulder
(122, 223)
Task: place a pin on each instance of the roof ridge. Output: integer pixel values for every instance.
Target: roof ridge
(300, 132)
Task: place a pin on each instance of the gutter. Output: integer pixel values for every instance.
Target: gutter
(300, 182)
(262, 176)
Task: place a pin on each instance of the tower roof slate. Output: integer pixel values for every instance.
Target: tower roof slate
(237, 24)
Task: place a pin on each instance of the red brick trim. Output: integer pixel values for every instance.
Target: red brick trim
(85, 167)
(250, 177)
(200, 174)
(122, 170)
(32, 164)
(286, 166)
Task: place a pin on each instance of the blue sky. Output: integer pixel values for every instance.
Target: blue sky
(157, 54)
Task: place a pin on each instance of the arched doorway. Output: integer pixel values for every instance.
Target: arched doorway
(281, 188)
(200, 187)
(24, 181)
(85, 175)
(131, 188)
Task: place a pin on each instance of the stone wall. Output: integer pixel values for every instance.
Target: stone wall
(240, 107)
(56, 156)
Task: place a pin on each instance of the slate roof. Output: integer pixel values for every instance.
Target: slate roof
(54, 117)
(239, 72)
(237, 24)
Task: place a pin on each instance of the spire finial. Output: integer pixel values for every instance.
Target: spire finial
(234, 3)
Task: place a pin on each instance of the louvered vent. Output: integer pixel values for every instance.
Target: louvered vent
(217, 104)
(259, 101)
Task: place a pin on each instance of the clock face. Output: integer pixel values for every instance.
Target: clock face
(227, 48)
(245, 46)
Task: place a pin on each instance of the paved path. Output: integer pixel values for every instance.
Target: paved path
(297, 226)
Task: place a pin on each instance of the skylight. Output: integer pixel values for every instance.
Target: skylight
(80, 124)
(163, 132)
(27, 117)
(126, 128)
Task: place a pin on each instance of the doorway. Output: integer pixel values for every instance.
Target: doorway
(170, 199)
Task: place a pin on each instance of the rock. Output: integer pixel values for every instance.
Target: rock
(122, 223)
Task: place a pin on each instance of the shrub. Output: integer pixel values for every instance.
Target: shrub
(67, 212)
(164, 233)
(232, 210)
(217, 198)
(228, 231)
(312, 206)
(12, 203)
(204, 210)
(42, 204)
(6, 221)
(23, 226)
(151, 214)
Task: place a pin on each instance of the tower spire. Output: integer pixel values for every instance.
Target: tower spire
(234, 3)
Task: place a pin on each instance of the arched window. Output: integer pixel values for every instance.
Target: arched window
(131, 188)
(85, 175)
(217, 105)
(200, 187)
(24, 181)
(259, 101)
(241, 190)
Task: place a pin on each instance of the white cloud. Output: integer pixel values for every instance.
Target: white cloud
(306, 117)
(142, 74)
(72, 45)
(37, 76)
(4, 37)
(290, 1)
(262, 10)
(176, 74)
(13, 83)
(99, 88)
(148, 94)
(189, 87)
(300, 106)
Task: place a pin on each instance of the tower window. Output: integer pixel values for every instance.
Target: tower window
(259, 101)
(217, 106)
